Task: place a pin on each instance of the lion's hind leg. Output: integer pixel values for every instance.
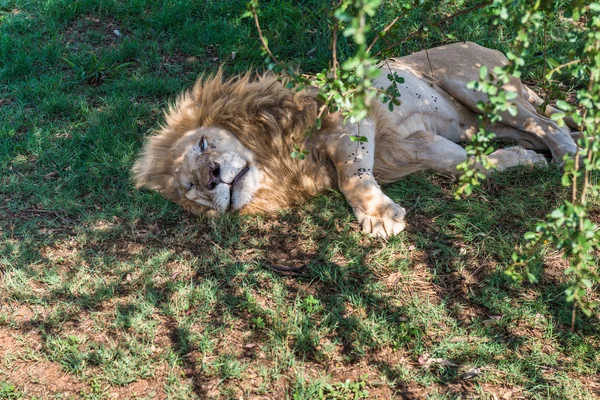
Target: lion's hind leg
(557, 139)
(537, 101)
(442, 155)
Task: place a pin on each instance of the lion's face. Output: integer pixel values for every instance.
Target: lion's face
(214, 169)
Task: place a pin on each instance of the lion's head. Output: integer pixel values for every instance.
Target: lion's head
(226, 147)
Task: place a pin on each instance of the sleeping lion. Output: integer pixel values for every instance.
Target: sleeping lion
(226, 144)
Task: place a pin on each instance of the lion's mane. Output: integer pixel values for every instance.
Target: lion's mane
(265, 116)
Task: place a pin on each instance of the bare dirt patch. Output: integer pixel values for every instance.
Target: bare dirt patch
(105, 30)
(33, 376)
(24, 366)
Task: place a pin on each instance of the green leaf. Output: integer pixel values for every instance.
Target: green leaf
(483, 71)
(342, 16)
(552, 62)
(373, 72)
(529, 235)
(563, 105)
(557, 214)
(532, 278)
(350, 64)
(566, 180)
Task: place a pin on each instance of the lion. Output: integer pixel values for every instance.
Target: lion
(226, 144)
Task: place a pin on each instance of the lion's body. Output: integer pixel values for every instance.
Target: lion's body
(260, 121)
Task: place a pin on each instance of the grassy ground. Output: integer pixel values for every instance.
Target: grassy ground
(109, 292)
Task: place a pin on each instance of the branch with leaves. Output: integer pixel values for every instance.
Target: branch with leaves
(568, 228)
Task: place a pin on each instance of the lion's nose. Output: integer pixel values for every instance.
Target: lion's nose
(214, 176)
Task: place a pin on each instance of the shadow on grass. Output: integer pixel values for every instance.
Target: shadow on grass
(362, 315)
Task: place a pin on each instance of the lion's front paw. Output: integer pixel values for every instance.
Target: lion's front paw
(382, 220)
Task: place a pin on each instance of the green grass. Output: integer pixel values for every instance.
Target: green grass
(105, 289)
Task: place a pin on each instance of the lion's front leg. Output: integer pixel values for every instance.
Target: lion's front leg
(376, 212)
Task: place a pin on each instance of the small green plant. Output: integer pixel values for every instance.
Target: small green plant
(68, 353)
(345, 390)
(299, 153)
(568, 228)
(8, 391)
(477, 152)
(94, 71)
(311, 305)
(258, 322)
(96, 391)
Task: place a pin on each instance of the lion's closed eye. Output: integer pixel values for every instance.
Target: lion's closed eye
(203, 144)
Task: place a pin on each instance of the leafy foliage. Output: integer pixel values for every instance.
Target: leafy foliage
(568, 228)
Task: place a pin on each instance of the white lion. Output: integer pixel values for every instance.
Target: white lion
(226, 144)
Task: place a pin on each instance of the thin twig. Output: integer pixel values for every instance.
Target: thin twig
(334, 49)
(574, 179)
(414, 206)
(334, 42)
(576, 167)
(429, 61)
(545, 54)
(405, 39)
(586, 181)
(287, 271)
(384, 31)
(463, 12)
(556, 69)
(325, 105)
(262, 39)
(589, 158)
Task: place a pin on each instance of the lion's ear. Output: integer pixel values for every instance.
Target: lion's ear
(140, 172)
(308, 99)
(312, 91)
(154, 170)
(148, 177)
